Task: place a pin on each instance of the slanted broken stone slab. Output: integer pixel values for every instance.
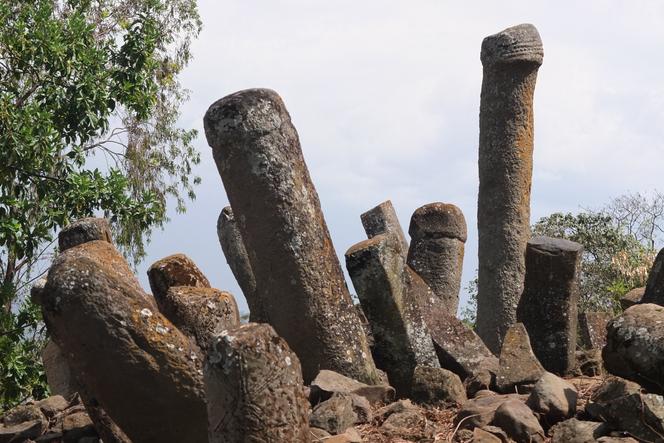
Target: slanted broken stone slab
(632, 298)
(133, 360)
(383, 219)
(592, 328)
(376, 267)
(510, 61)
(519, 368)
(438, 233)
(254, 388)
(548, 306)
(298, 275)
(328, 382)
(232, 245)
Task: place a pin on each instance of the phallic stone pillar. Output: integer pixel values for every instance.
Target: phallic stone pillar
(236, 256)
(383, 219)
(174, 270)
(548, 306)
(134, 362)
(437, 236)
(84, 230)
(402, 342)
(254, 388)
(298, 276)
(510, 59)
(654, 292)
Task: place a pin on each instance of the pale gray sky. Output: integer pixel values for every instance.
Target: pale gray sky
(385, 97)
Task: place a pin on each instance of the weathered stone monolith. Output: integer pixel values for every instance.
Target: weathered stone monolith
(174, 270)
(298, 276)
(510, 60)
(383, 219)
(654, 292)
(254, 388)
(141, 370)
(519, 368)
(402, 342)
(200, 313)
(236, 256)
(548, 306)
(58, 374)
(437, 236)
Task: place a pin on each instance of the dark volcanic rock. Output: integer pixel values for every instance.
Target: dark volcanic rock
(82, 231)
(328, 382)
(632, 298)
(654, 292)
(383, 220)
(437, 385)
(592, 326)
(519, 422)
(519, 368)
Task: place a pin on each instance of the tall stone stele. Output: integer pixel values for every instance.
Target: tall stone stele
(510, 59)
(548, 306)
(298, 275)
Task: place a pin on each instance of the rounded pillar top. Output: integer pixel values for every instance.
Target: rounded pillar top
(249, 113)
(435, 220)
(82, 231)
(554, 246)
(521, 43)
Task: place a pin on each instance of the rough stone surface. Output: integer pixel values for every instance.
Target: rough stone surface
(459, 348)
(483, 380)
(437, 385)
(519, 422)
(519, 368)
(236, 256)
(510, 62)
(298, 276)
(438, 233)
(548, 306)
(577, 431)
(553, 398)
(632, 298)
(592, 326)
(254, 388)
(589, 362)
(22, 432)
(635, 346)
(480, 411)
(76, 426)
(199, 312)
(641, 415)
(82, 231)
(383, 220)
(335, 414)
(58, 374)
(117, 328)
(654, 292)
(53, 405)
(174, 270)
(328, 382)
(402, 341)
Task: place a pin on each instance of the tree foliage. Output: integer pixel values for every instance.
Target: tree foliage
(89, 102)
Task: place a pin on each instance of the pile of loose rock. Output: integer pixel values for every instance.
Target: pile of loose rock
(176, 365)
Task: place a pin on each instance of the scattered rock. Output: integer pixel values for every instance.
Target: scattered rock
(437, 385)
(22, 432)
(577, 431)
(318, 435)
(482, 380)
(480, 410)
(362, 409)
(335, 414)
(328, 382)
(519, 422)
(592, 326)
(589, 362)
(52, 405)
(554, 398)
(350, 436)
(482, 436)
(76, 426)
(632, 298)
(635, 346)
(519, 369)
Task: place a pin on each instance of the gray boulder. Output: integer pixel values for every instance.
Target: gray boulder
(553, 398)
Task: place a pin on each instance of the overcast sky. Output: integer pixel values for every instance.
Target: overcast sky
(385, 97)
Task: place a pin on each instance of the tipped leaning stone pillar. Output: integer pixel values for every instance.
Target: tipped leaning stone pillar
(402, 339)
(548, 306)
(437, 236)
(298, 276)
(510, 60)
(654, 292)
(236, 256)
(254, 388)
(383, 219)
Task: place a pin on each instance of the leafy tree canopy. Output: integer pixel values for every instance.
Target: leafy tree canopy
(89, 100)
